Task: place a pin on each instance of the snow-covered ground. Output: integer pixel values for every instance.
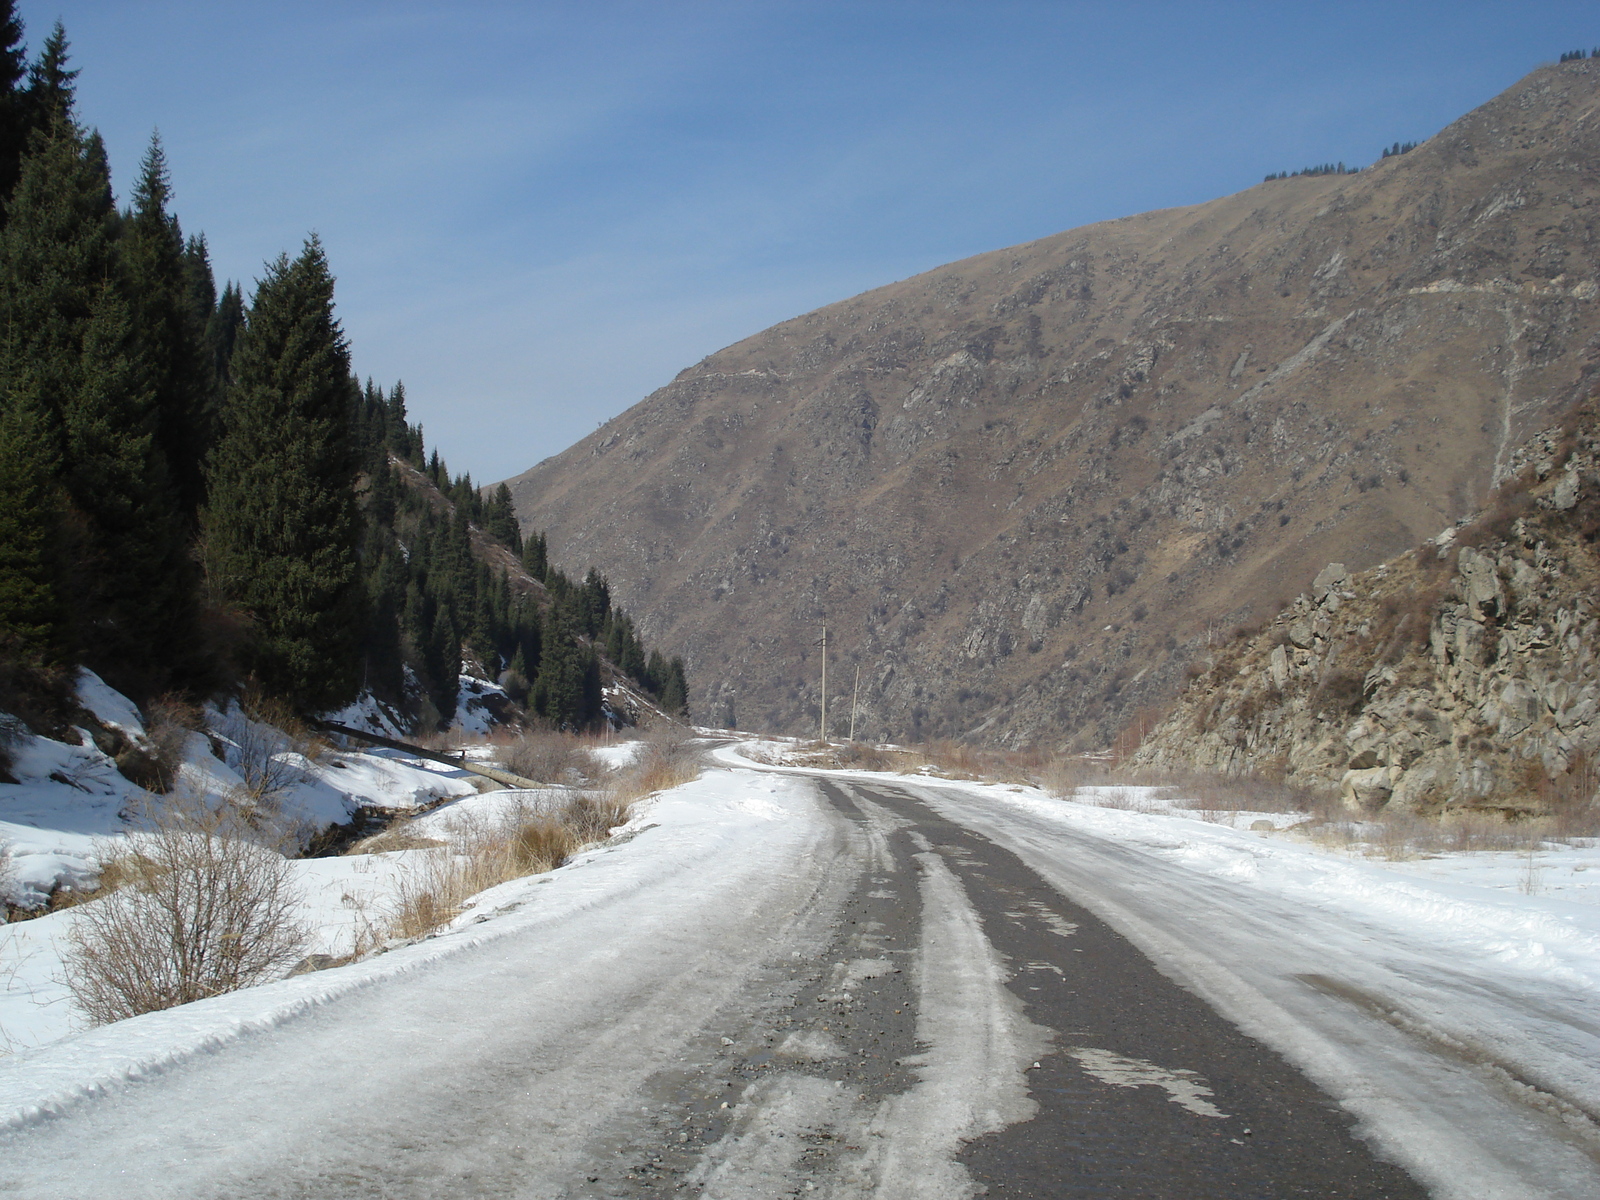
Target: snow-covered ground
(648, 928)
(1415, 991)
(68, 809)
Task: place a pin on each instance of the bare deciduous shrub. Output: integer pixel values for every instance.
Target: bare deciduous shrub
(198, 909)
(271, 749)
(1243, 793)
(954, 758)
(169, 722)
(1140, 725)
(154, 762)
(547, 756)
(12, 731)
(1573, 798)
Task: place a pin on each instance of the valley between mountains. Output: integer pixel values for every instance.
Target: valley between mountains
(1213, 593)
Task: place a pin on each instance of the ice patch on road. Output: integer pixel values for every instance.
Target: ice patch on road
(811, 1045)
(1184, 1088)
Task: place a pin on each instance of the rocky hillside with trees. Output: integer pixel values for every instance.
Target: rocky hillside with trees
(1465, 674)
(1027, 490)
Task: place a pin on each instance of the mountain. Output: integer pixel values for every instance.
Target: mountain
(1026, 489)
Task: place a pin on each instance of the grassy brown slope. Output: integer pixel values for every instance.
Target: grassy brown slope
(1026, 488)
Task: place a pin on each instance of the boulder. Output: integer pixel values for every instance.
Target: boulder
(1278, 667)
(1366, 790)
(1330, 577)
(1480, 585)
(1418, 788)
(1565, 494)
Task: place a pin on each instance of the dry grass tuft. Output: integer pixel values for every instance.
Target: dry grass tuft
(527, 840)
(666, 759)
(1063, 775)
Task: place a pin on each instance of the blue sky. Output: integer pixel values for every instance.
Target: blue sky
(540, 212)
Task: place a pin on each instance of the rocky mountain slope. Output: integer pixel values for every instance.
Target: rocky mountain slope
(1025, 490)
(1464, 674)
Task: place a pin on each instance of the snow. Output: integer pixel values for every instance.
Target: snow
(698, 874)
(65, 798)
(617, 755)
(474, 713)
(110, 706)
(367, 712)
(1420, 993)
(69, 809)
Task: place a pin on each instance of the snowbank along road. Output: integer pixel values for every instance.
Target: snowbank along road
(787, 985)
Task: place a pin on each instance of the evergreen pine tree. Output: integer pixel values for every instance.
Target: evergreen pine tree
(71, 370)
(15, 119)
(559, 691)
(675, 691)
(281, 524)
(655, 673)
(52, 88)
(500, 519)
(32, 618)
(535, 556)
(160, 286)
(221, 336)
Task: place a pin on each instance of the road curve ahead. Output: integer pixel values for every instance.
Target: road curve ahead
(820, 988)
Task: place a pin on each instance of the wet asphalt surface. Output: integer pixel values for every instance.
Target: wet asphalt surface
(1277, 1137)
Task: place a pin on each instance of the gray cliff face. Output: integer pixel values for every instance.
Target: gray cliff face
(1025, 490)
(1464, 675)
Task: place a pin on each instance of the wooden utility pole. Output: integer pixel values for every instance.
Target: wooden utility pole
(854, 696)
(824, 735)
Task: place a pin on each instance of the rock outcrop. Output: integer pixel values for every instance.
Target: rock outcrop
(1464, 674)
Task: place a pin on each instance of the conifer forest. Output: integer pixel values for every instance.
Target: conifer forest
(196, 492)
